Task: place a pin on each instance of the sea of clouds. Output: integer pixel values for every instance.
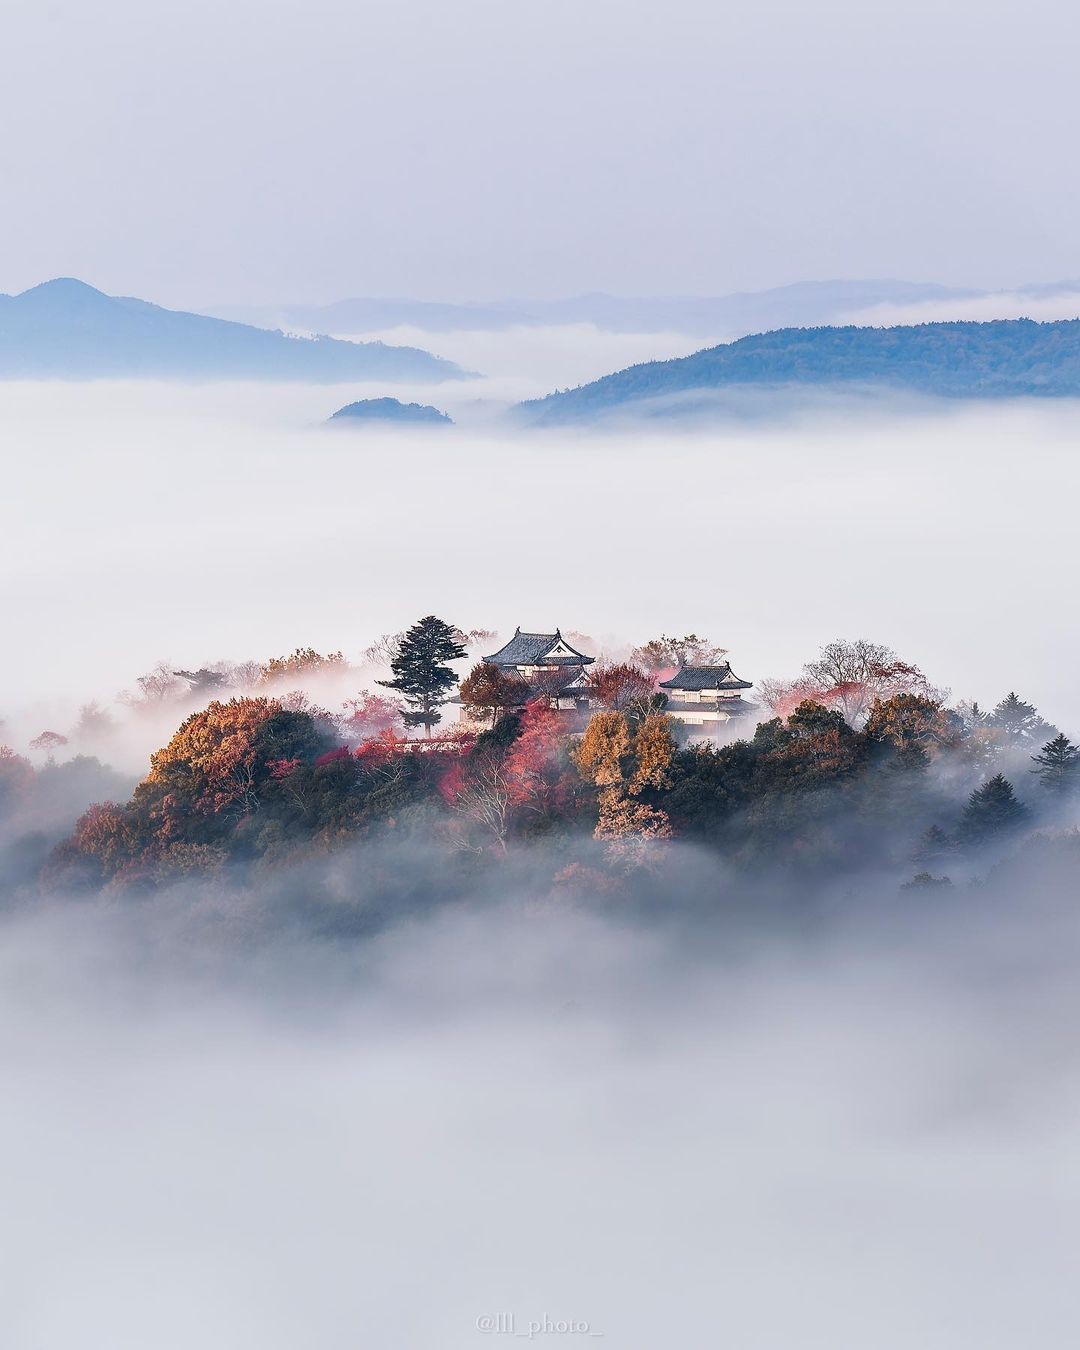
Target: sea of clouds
(198, 523)
(232, 1127)
(851, 1131)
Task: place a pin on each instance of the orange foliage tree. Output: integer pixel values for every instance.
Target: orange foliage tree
(622, 687)
(108, 834)
(654, 749)
(220, 758)
(487, 691)
(622, 820)
(912, 722)
(601, 753)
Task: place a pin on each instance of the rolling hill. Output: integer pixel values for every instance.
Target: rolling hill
(389, 411)
(65, 329)
(1004, 358)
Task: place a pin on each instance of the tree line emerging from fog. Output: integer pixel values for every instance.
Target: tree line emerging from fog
(863, 766)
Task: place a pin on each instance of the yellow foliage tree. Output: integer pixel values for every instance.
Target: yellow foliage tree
(303, 661)
(622, 767)
(600, 753)
(653, 751)
(622, 818)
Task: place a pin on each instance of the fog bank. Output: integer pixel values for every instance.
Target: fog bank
(191, 524)
(862, 1140)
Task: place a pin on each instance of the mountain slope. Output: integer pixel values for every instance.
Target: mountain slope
(66, 329)
(1007, 357)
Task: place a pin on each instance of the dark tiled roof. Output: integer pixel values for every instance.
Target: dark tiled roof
(558, 681)
(531, 649)
(706, 677)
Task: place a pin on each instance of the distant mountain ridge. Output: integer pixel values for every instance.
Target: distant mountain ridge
(68, 330)
(800, 305)
(1000, 358)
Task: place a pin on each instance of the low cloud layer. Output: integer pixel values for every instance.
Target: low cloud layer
(208, 523)
(1042, 304)
(260, 1116)
(519, 1110)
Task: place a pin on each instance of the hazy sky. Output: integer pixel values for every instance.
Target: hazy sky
(234, 151)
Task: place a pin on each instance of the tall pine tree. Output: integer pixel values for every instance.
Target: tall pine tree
(1058, 764)
(991, 809)
(421, 674)
(1019, 721)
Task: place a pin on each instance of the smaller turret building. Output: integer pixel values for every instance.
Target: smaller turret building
(704, 697)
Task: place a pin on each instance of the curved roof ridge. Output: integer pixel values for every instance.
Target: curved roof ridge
(706, 677)
(526, 649)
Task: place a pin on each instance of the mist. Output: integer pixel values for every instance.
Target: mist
(383, 1097)
(198, 523)
(1042, 304)
(316, 1039)
(245, 1136)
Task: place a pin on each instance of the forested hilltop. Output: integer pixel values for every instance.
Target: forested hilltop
(859, 767)
(1004, 358)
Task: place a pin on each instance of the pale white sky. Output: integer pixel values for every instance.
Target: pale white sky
(249, 151)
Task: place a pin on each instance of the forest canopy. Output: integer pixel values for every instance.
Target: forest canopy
(1003, 358)
(857, 765)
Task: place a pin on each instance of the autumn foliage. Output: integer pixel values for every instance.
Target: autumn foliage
(622, 687)
(518, 780)
(219, 759)
(302, 663)
(624, 764)
(487, 692)
(862, 773)
(849, 677)
(370, 715)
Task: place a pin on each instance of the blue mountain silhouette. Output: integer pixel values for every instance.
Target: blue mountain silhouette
(66, 329)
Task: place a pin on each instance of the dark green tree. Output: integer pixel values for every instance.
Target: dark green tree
(971, 716)
(1058, 764)
(991, 809)
(934, 844)
(203, 681)
(926, 881)
(1019, 721)
(421, 675)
